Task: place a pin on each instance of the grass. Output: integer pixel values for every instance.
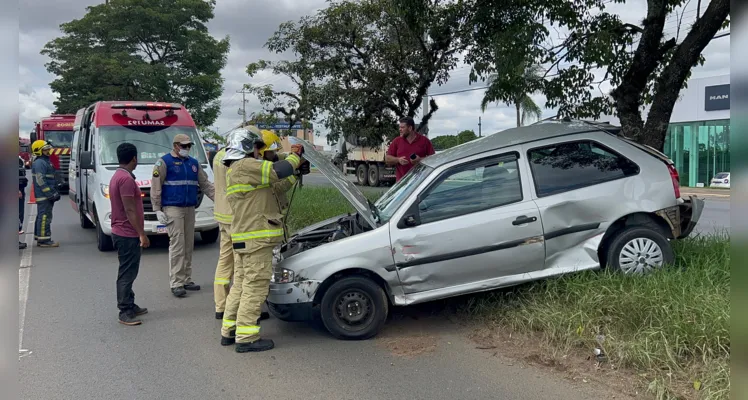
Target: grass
(672, 327)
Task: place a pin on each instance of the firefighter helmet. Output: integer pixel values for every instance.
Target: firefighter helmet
(271, 140)
(242, 142)
(39, 146)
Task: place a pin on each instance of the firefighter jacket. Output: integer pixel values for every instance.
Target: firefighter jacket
(22, 180)
(257, 221)
(45, 184)
(282, 187)
(222, 211)
(176, 181)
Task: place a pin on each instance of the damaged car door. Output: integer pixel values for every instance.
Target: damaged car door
(473, 224)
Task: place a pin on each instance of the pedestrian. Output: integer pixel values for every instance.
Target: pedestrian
(174, 193)
(256, 229)
(408, 149)
(22, 183)
(45, 193)
(128, 231)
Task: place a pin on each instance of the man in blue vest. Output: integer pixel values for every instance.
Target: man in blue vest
(174, 194)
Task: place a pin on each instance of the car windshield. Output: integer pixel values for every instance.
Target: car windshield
(721, 175)
(59, 138)
(391, 201)
(151, 145)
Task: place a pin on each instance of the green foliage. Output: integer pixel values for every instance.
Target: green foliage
(447, 141)
(207, 133)
(361, 65)
(158, 50)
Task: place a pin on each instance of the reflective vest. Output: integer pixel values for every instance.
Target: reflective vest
(45, 184)
(180, 185)
(222, 211)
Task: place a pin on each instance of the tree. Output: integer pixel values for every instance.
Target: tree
(526, 107)
(642, 67)
(158, 50)
(448, 141)
(367, 63)
(466, 136)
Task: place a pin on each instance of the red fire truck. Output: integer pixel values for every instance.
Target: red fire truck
(24, 151)
(57, 130)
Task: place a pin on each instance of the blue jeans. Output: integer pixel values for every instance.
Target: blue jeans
(21, 203)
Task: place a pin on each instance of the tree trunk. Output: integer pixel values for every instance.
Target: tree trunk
(670, 82)
(519, 118)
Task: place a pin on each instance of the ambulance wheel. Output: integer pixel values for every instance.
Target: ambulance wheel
(103, 242)
(210, 236)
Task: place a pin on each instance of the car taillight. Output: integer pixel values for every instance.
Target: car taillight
(676, 180)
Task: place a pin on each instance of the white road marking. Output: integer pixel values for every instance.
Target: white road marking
(24, 273)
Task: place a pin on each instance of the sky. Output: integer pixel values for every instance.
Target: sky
(249, 23)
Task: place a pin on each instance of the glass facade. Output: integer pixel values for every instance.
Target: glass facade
(700, 150)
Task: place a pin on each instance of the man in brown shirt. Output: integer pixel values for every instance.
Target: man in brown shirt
(174, 193)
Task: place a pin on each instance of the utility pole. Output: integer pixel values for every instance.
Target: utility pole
(479, 133)
(244, 106)
(425, 128)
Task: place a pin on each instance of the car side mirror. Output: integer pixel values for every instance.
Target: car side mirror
(411, 218)
(86, 160)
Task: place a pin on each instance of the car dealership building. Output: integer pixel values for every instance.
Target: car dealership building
(698, 138)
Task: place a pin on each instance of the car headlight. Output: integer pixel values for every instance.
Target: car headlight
(285, 276)
(105, 190)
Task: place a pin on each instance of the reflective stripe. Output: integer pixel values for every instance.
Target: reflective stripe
(225, 218)
(248, 330)
(239, 188)
(49, 175)
(180, 183)
(222, 281)
(242, 236)
(229, 323)
(292, 179)
(266, 165)
(46, 189)
(40, 198)
(293, 159)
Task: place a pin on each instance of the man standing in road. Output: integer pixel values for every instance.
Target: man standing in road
(408, 149)
(174, 194)
(128, 232)
(45, 193)
(22, 183)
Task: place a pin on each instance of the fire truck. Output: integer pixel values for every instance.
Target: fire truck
(57, 130)
(24, 151)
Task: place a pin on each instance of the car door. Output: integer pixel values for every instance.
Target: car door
(475, 222)
(74, 171)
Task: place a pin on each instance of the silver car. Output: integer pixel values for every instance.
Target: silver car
(517, 206)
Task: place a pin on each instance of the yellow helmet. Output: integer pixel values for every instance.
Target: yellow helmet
(271, 140)
(38, 146)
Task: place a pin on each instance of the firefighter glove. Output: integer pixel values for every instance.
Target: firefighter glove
(305, 168)
(55, 197)
(162, 217)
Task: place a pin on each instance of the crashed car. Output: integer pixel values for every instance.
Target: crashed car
(524, 204)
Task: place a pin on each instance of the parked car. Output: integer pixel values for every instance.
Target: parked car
(721, 180)
(517, 206)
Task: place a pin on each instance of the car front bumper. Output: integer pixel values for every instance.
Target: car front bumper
(293, 301)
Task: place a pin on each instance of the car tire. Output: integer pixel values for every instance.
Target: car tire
(639, 249)
(374, 176)
(354, 293)
(362, 174)
(210, 236)
(103, 241)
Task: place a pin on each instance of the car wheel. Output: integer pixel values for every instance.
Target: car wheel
(639, 250)
(362, 174)
(104, 242)
(210, 236)
(354, 308)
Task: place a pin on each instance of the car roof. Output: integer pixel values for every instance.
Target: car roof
(515, 136)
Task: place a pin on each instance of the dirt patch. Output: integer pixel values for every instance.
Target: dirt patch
(575, 365)
(409, 346)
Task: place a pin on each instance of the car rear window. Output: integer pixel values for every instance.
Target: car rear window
(569, 166)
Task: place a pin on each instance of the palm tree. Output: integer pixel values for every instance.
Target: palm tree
(527, 109)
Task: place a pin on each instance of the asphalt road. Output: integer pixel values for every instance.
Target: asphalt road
(73, 348)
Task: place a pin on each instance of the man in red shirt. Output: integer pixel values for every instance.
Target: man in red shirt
(128, 233)
(408, 149)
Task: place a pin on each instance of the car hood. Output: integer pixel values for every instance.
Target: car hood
(346, 187)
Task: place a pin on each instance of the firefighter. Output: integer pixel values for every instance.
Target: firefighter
(45, 192)
(223, 215)
(174, 194)
(270, 153)
(256, 229)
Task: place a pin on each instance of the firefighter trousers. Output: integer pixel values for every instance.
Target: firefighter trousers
(181, 231)
(43, 227)
(224, 268)
(248, 293)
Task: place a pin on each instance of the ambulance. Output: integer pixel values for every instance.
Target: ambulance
(151, 127)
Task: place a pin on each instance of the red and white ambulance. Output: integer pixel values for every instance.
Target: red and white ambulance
(151, 127)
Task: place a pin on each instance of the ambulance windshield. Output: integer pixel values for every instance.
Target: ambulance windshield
(151, 145)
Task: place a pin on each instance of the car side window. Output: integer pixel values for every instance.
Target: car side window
(569, 166)
(471, 188)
